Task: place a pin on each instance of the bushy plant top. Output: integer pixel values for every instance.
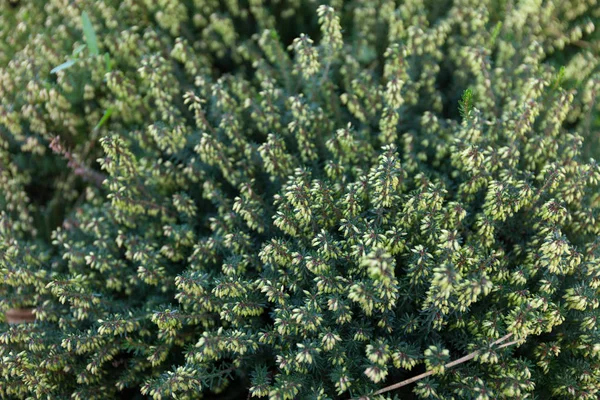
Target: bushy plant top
(294, 200)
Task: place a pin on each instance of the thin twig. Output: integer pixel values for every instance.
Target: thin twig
(508, 344)
(76, 165)
(582, 43)
(502, 339)
(449, 365)
(19, 315)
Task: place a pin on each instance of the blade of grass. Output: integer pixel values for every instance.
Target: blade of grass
(62, 66)
(90, 35)
(104, 118)
(79, 49)
(108, 62)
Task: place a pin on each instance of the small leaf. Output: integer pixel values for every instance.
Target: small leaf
(495, 34)
(108, 62)
(559, 78)
(104, 118)
(62, 66)
(465, 104)
(79, 49)
(90, 35)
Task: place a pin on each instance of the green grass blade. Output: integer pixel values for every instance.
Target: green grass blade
(90, 35)
(62, 66)
(107, 62)
(79, 49)
(104, 118)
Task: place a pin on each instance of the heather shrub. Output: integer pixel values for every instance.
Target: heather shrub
(296, 200)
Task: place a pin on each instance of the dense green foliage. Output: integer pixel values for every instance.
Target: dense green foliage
(290, 199)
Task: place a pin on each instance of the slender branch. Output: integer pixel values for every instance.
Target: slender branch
(582, 43)
(76, 165)
(454, 363)
(502, 339)
(508, 344)
(19, 315)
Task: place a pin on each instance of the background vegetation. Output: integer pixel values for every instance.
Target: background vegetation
(291, 199)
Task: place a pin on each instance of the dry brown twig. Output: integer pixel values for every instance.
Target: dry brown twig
(73, 162)
(20, 315)
(451, 364)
